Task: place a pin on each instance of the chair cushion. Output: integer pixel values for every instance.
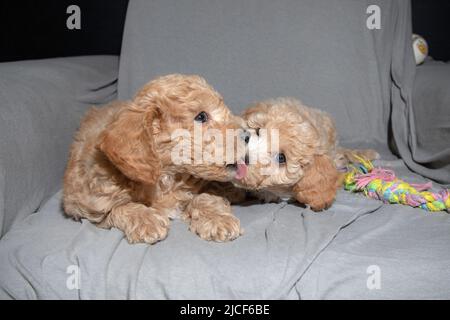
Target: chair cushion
(396, 252)
(41, 255)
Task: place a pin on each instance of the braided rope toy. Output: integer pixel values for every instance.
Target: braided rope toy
(382, 184)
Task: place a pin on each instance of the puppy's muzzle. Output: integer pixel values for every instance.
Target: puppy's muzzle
(240, 166)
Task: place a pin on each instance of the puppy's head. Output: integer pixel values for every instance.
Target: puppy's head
(290, 152)
(175, 124)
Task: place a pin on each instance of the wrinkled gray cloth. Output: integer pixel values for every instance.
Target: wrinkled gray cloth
(279, 244)
(429, 122)
(286, 252)
(41, 104)
(420, 111)
(396, 252)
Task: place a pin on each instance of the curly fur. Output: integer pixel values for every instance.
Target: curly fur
(308, 138)
(120, 172)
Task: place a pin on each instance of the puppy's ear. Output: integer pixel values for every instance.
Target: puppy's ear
(318, 186)
(129, 143)
(256, 115)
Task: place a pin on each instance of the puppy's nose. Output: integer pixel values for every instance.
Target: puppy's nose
(247, 159)
(245, 136)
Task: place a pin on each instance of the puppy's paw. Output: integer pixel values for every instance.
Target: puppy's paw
(371, 154)
(321, 204)
(219, 228)
(147, 227)
(341, 161)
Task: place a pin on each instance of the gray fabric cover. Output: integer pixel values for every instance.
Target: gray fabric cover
(317, 50)
(41, 104)
(430, 121)
(280, 243)
(421, 112)
(286, 252)
(409, 246)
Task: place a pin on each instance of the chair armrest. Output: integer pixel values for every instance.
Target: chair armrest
(41, 104)
(431, 117)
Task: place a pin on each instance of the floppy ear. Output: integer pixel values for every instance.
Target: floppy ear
(256, 115)
(129, 144)
(319, 184)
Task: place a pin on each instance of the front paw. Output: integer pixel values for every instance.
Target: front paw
(149, 228)
(320, 205)
(219, 228)
(372, 154)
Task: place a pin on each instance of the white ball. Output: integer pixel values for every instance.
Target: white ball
(420, 48)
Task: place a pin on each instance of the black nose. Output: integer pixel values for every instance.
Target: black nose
(246, 136)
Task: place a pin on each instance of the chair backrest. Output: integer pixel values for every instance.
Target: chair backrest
(330, 54)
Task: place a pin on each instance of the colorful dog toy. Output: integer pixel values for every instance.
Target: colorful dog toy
(381, 184)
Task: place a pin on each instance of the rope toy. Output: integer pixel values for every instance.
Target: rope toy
(382, 184)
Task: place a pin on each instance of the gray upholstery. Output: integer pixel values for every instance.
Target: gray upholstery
(279, 244)
(430, 121)
(317, 50)
(421, 113)
(407, 248)
(41, 104)
(287, 252)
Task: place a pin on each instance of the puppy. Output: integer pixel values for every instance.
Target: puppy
(304, 163)
(121, 171)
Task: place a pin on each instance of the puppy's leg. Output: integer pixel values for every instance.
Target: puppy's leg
(139, 222)
(211, 218)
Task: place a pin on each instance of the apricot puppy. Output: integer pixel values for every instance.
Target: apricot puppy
(121, 172)
(303, 163)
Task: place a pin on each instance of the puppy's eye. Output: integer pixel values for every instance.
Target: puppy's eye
(201, 117)
(281, 158)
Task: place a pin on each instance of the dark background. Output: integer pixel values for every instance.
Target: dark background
(431, 20)
(32, 29)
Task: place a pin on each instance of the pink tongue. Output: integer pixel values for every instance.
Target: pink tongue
(241, 171)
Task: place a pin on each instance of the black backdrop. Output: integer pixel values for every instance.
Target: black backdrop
(431, 20)
(34, 29)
